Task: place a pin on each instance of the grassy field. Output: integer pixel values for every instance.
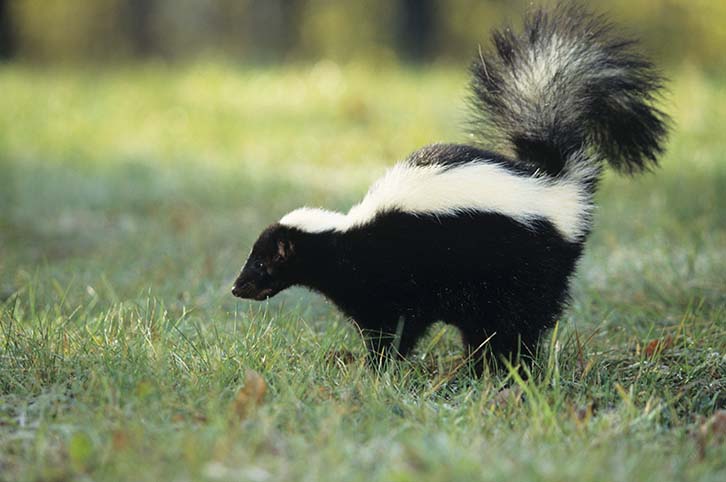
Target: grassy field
(129, 199)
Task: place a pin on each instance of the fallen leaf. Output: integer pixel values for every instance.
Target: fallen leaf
(344, 357)
(119, 439)
(584, 413)
(324, 393)
(711, 432)
(250, 395)
(658, 346)
(506, 397)
(201, 418)
(196, 417)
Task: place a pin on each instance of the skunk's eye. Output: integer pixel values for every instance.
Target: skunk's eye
(260, 266)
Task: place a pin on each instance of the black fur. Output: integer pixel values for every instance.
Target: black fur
(453, 155)
(498, 280)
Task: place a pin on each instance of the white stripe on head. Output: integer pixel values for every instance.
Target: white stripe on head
(475, 186)
(314, 220)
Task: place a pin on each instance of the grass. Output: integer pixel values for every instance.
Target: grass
(129, 199)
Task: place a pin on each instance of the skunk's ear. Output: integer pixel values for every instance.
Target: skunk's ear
(285, 249)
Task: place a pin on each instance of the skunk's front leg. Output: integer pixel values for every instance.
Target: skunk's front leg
(391, 340)
(381, 346)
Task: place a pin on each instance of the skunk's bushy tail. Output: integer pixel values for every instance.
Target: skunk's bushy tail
(566, 93)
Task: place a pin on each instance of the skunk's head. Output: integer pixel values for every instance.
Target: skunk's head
(269, 268)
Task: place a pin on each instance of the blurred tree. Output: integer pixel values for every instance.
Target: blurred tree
(139, 27)
(292, 12)
(7, 39)
(272, 27)
(673, 31)
(348, 30)
(416, 29)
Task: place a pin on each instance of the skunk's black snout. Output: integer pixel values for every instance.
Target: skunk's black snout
(245, 287)
(239, 291)
(250, 291)
(251, 285)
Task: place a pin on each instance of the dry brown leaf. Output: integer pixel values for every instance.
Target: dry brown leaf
(196, 417)
(506, 397)
(584, 413)
(250, 395)
(711, 432)
(658, 346)
(324, 393)
(340, 356)
(119, 439)
(201, 418)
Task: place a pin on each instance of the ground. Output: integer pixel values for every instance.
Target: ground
(129, 199)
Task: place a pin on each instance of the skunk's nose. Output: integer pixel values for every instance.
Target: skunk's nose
(242, 289)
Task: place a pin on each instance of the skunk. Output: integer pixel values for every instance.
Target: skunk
(485, 241)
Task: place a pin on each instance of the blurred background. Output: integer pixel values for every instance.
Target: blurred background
(274, 31)
(145, 143)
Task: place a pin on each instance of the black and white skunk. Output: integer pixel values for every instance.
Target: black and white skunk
(481, 240)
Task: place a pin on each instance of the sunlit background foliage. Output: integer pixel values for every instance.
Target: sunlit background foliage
(675, 31)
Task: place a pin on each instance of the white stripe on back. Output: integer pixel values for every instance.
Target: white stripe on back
(475, 186)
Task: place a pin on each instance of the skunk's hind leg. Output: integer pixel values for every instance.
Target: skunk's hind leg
(497, 350)
(475, 349)
(489, 348)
